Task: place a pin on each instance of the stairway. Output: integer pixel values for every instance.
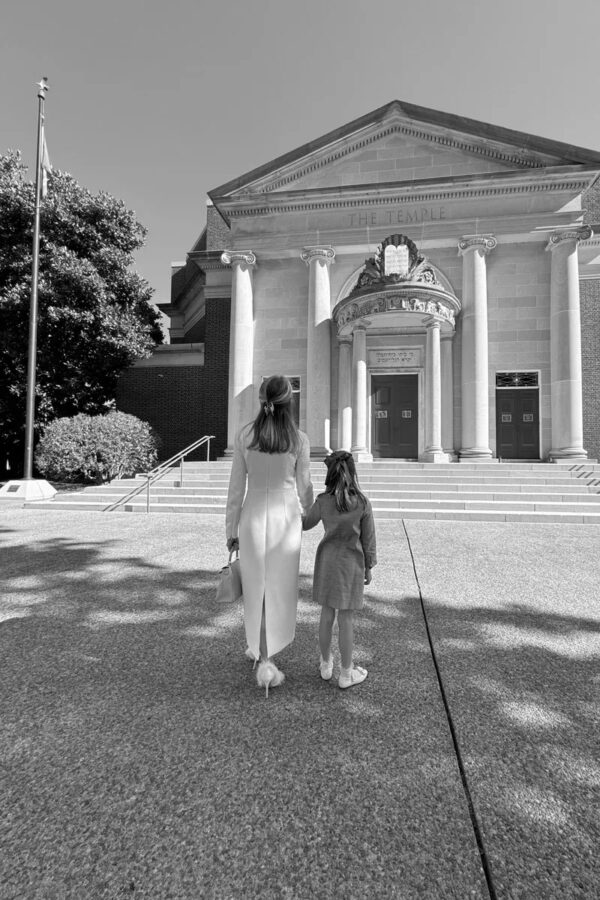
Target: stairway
(492, 492)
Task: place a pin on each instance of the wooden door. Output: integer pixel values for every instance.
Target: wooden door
(394, 416)
(517, 424)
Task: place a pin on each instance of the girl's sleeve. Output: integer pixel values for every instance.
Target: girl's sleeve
(367, 537)
(312, 517)
(237, 489)
(303, 482)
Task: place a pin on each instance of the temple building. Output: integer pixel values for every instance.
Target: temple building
(431, 285)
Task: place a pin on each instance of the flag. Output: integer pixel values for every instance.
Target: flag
(46, 168)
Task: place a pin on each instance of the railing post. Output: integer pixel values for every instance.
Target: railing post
(208, 450)
(181, 472)
(148, 494)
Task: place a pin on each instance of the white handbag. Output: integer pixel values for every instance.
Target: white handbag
(229, 589)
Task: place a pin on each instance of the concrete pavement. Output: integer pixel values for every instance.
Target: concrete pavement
(143, 761)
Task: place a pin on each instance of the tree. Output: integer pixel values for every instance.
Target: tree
(95, 315)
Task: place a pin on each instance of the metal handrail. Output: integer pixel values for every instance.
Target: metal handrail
(159, 471)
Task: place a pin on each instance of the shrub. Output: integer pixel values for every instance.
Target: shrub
(96, 448)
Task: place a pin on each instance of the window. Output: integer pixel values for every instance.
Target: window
(517, 379)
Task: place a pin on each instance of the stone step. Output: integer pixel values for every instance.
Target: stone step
(376, 483)
(485, 514)
(381, 499)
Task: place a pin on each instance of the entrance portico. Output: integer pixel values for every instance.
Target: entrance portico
(393, 318)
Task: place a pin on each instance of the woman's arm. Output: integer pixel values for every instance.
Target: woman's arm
(303, 482)
(236, 492)
(367, 537)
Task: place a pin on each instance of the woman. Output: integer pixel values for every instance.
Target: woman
(273, 458)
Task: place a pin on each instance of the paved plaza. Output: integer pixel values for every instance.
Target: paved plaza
(141, 760)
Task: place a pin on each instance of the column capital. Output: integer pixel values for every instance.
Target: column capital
(344, 338)
(432, 322)
(577, 233)
(309, 254)
(482, 242)
(361, 325)
(237, 257)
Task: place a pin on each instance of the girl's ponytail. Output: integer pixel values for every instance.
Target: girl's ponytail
(342, 481)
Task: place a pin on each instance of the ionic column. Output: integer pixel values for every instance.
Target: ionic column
(565, 345)
(475, 437)
(433, 396)
(344, 441)
(447, 394)
(318, 351)
(241, 343)
(359, 392)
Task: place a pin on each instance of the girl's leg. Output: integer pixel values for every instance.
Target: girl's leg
(325, 631)
(346, 627)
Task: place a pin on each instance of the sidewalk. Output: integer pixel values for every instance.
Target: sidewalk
(142, 760)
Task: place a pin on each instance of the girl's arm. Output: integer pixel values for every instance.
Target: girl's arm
(367, 537)
(303, 482)
(236, 492)
(312, 517)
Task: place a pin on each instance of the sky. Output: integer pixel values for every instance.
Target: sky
(160, 101)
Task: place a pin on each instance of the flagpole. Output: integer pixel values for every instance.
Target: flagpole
(33, 306)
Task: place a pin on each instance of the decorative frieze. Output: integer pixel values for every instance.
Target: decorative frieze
(384, 302)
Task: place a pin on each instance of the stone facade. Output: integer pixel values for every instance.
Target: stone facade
(419, 273)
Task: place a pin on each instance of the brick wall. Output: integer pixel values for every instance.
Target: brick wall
(590, 356)
(183, 403)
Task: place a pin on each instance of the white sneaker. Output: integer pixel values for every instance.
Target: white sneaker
(326, 668)
(350, 677)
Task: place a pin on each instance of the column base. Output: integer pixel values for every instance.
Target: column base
(28, 489)
(476, 455)
(567, 454)
(434, 456)
(319, 452)
(361, 454)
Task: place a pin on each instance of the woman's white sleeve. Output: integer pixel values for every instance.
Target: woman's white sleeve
(303, 482)
(237, 490)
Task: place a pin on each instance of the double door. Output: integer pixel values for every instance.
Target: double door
(517, 424)
(395, 416)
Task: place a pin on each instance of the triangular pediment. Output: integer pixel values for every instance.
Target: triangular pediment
(401, 143)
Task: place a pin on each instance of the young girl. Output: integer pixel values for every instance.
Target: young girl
(343, 563)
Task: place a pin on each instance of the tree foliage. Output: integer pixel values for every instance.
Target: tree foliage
(95, 314)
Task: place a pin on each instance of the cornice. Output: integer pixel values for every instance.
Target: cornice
(397, 193)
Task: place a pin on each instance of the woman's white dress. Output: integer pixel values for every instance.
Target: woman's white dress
(264, 512)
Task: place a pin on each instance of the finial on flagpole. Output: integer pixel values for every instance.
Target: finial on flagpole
(44, 87)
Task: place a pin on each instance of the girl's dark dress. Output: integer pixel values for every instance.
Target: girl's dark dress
(347, 548)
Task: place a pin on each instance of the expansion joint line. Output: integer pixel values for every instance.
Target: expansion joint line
(485, 863)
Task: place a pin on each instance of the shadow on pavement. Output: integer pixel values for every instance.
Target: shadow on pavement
(522, 685)
(142, 760)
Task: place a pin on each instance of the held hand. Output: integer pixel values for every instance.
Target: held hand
(367, 576)
(233, 544)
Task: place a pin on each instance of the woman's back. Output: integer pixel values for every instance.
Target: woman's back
(271, 471)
